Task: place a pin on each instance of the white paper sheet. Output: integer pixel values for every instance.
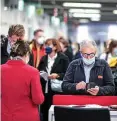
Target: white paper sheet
(44, 75)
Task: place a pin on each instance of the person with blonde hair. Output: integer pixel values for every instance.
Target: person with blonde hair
(15, 33)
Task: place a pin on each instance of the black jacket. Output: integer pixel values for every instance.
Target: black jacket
(5, 55)
(69, 54)
(114, 72)
(60, 66)
(75, 74)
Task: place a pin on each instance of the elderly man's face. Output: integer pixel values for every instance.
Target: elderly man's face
(88, 52)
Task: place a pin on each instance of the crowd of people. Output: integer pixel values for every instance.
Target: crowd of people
(70, 69)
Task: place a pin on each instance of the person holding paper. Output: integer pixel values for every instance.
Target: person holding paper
(55, 64)
(88, 75)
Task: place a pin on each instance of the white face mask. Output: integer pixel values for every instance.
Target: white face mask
(89, 61)
(41, 40)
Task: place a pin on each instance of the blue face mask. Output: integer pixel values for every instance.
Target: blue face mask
(48, 50)
(115, 52)
(89, 61)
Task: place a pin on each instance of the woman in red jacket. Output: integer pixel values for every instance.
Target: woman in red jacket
(21, 88)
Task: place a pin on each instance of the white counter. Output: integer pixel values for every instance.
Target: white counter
(113, 114)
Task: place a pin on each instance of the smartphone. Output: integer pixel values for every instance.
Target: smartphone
(90, 85)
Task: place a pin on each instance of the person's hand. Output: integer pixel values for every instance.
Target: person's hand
(93, 91)
(53, 76)
(81, 85)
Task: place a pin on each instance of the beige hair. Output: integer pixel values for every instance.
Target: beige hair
(17, 29)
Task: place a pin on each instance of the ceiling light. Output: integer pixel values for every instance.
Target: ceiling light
(95, 19)
(84, 10)
(31, 10)
(115, 11)
(83, 20)
(87, 5)
(112, 31)
(21, 5)
(5, 8)
(86, 15)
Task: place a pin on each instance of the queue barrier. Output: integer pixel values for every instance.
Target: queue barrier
(84, 99)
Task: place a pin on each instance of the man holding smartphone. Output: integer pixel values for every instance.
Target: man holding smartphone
(88, 75)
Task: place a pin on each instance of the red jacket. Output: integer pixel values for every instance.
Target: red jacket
(37, 55)
(21, 92)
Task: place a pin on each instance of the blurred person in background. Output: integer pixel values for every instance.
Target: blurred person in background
(113, 66)
(15, 33)
(76, 51)
(66, 48)
(89, 75)
(21, 88)
(108, 43)
(113, 61)
(37, 47)
(2, 39)
(2, 36)
(110, 52)
(55, 63)
(113, 50)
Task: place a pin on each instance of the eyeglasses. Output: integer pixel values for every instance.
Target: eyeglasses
(85, 55)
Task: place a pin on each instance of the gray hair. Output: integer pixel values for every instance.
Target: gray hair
(87, 43)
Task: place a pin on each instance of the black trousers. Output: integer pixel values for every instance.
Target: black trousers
(45, 106)
(44, 109)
